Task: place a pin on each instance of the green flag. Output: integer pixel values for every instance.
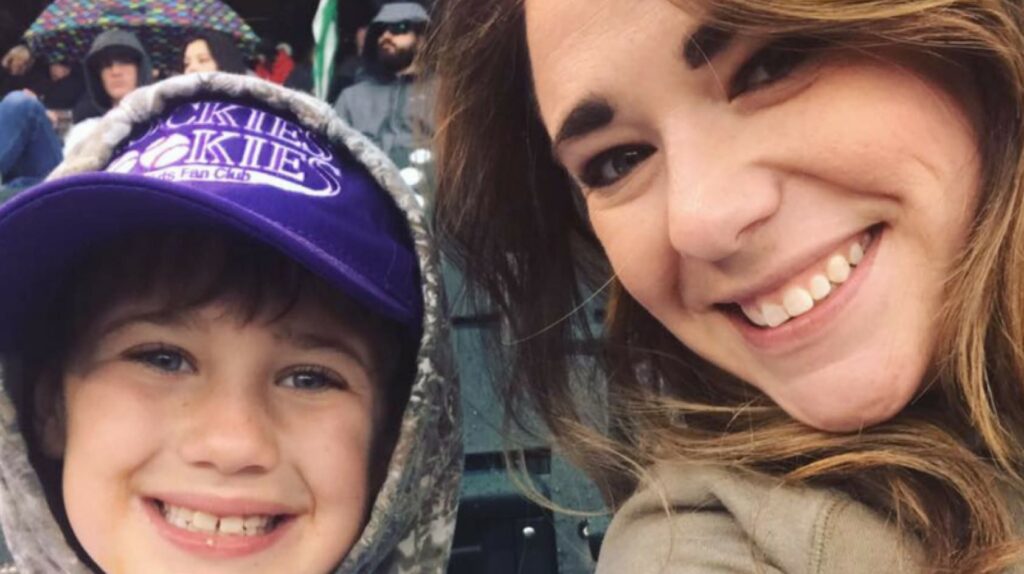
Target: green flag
(325, 34)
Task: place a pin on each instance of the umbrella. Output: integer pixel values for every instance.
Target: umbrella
(66, 29)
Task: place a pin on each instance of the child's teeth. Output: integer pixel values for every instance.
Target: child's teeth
(755, 316)
(231, 525)
(797, 301)
(820, 287)
(255, 524)
(198, 521)
(837, 269)
(204, 522)
(856, 253)
(774, 315)
(177, 516)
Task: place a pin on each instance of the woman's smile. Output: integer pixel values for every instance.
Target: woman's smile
(789, 214)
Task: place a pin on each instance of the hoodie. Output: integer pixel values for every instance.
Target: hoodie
(105, 41)
(411, 523)
(98, 101)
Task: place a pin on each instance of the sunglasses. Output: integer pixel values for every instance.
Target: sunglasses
(396, 28)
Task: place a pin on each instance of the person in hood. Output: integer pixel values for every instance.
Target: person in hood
(223, 348)
(393, 103)
(115, 65)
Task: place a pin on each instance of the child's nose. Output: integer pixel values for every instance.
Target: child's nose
(229, 431)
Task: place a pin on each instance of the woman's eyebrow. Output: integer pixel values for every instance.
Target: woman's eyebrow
(593, 113)
(588, 115)
(704, 44)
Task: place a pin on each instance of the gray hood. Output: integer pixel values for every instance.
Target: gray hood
(412, 522)
(112, 39)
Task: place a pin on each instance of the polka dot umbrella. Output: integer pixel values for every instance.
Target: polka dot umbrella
(65, 30)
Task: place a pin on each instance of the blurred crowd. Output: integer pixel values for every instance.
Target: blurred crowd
(48, 105)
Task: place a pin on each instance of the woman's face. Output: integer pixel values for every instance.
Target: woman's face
(198, 58)
(791, 218)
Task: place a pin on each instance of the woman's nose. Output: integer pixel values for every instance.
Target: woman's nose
(229, 430)
(714, 206)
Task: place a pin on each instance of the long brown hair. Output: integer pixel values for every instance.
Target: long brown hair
(508, 214)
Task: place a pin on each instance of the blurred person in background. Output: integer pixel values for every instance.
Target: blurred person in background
(393, 104)
(275, 65)
(31, 146)
(58, 85)
(115, 65)
(213, 52)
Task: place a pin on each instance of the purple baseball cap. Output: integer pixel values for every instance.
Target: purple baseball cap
(230, 164)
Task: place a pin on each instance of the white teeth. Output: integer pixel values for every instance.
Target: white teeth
(820, 287)
(197, 521)
(204, 522)
(755, 316)
(774, 315)
(856, 253)
(837, 269)
(255, 524)
(797, 301)
(177, 516)
(231, 525)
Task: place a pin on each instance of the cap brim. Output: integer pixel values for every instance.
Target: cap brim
(43, 230)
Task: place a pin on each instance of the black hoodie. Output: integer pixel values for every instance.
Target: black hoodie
(103, 42)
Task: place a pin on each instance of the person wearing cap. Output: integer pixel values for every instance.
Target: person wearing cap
(223, 348)
(393, 103)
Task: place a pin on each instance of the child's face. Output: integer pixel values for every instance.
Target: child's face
(183, 430)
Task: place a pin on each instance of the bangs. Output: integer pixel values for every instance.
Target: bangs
(178, 271)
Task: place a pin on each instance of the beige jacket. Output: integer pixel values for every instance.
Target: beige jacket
(724, 521)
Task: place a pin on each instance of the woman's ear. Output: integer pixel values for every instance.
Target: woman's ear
(49, 416)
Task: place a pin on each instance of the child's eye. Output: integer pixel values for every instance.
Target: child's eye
(312, 378)
(610, 166)
(162, 358)
(771, 64)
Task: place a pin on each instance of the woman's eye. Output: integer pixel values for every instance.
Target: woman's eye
(771, 64)
(311, 379)
(612, 165)
(169, 360)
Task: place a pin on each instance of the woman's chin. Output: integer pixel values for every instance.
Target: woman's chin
(849, 411)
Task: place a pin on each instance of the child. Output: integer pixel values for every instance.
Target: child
(222, 348)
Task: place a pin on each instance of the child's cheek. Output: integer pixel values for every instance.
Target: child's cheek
(114, 426)
(333, 450)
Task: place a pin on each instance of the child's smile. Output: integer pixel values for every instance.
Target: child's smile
(199, 442)
(224, 527)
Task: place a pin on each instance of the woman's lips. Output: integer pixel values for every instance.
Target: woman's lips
(811, 320)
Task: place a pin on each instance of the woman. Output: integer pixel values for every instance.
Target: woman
(811, 213)
(213, 52)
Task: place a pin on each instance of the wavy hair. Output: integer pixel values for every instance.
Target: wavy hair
(941, 468)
